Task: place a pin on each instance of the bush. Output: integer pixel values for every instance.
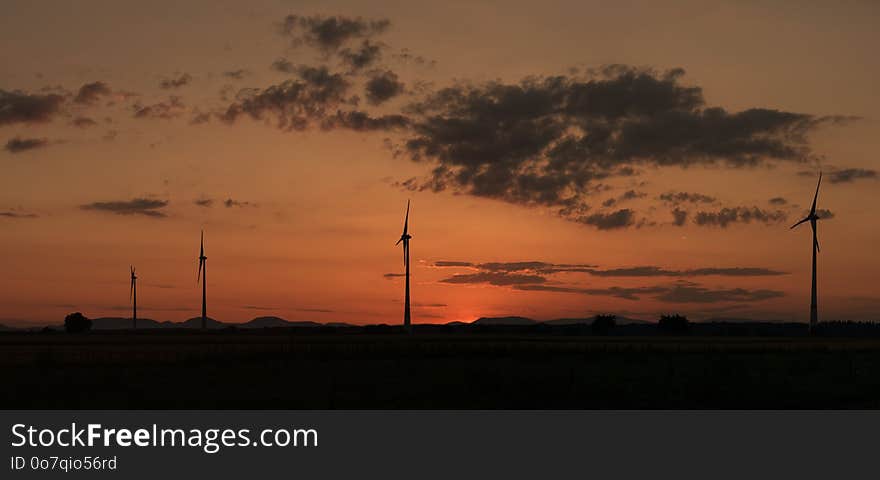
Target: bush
(673, 323)
(77, 323)
(602, 324)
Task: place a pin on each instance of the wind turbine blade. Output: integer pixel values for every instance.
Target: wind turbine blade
(816, 196)
(405, 251)
(131, 290)
(406, 219)
(398, 242)
(798, 223)
(202, 245)
(817, 246)
(199, 275)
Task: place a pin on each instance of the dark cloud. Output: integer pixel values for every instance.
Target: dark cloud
(204, 202)
(315, 310)
(449, 263)
(651, 271)
(295, 103)
(824, 213)
(617, 292)
(283, 65)
(236, 74)
(394, 275)
(628, 195)
(692, 293)
(20, 107)
(91, 93)
(495, 278)
(363, 122)
(229, 203)
(677, 198)
(777, 201)
(728, 215)
(138, 206)
(18, 144)
(330, 33)
(172, 108)
(83, 122)
(848, 175)
(366, 55)
(679, 217)
(546, 140)
(609, 221)
(8, 214)
(176, 82)
(544, 268)
(383, 86)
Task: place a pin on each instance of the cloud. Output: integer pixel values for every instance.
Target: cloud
(609, 221)
(383, 86)
(204, 202)
(545, 140)
(652, 271)
(824, 214)
(229, 203)
(692, 293)
(294, 103)
(283, 65)
(19, 144)
(138, 206)
(679, 217)
(363, 122)
(83, 122)
(177, 82)
(545, 268)
(494, 278)
(448, 263)
(315, 310)
(777, 201)
(329, 33)
(236, 74)
(617, 292)
(625, 196)
(393, 275)
(677, 198)
(91, 93)
(366, 55)
(173, 108)
(848, 175)
(20, 107)
(728, 215)
(8, 214)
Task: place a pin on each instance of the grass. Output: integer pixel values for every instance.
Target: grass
(262, 370)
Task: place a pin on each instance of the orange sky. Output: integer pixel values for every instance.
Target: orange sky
(310, 234)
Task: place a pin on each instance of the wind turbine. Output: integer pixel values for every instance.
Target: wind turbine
(202, 274)
(405, 239)
(133, 298)
(812, 217)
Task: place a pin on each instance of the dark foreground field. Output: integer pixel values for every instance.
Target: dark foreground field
(287, 370)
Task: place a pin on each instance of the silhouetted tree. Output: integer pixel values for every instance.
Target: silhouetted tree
(77, 323)
(673, 323)
(602, 324)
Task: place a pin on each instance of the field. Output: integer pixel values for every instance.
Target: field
(286, 369)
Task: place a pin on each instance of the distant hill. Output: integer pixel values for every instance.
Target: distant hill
(274, 322)
(120, 323)
(196, 322)
(504, 321)
(589, 321)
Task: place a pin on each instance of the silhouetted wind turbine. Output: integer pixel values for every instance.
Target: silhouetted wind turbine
(405, 239)
(812, 217)
(203, 272)
(133, 298)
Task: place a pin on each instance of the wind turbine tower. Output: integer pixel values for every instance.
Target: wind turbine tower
(133, 297)
(202, 274)
(405, 237)
(812, 217)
